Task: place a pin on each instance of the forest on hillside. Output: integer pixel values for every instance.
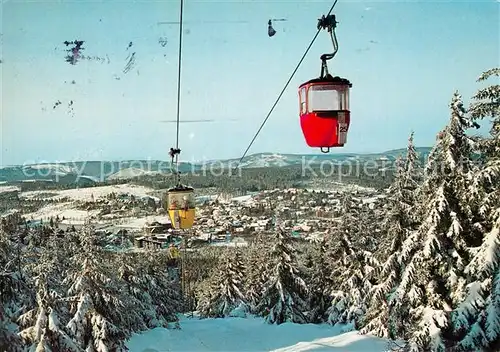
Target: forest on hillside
(424, 269)
(239, 181)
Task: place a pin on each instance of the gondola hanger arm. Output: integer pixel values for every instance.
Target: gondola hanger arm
(329, 23)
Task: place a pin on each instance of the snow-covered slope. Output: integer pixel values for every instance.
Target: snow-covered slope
(130, 173)
(62, 210)
(281, 160)
(5, 189)
(55, 169)
(252, 334)
(263, 160)
(86, 194)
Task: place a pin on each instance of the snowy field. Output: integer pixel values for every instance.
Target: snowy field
(61, 210)
(140, 222)
(75, 216)
(5, 189)
(86, 194)
(252, 334)
(242, 199)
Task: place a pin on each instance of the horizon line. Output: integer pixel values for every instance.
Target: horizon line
(200, 161)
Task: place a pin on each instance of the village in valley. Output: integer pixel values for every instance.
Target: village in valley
(133, 217)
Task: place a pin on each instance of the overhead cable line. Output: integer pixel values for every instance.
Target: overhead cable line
(175, 152)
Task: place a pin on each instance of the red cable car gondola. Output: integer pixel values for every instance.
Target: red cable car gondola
(324, 102)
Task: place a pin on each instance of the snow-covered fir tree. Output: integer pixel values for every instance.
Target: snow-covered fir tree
(165, 294)
(42, 328)
(9, 294)
(204, 289)
(97, 309)
(354, 270)
(320, 283)
(143, 313)
(225, 294)
(400, 221)
(476, 321)
(477, 318)
(9, 340)
(432, 282)
(256, 268)
(44, 332)
(486, 103)
(351, 265)
(285, 292)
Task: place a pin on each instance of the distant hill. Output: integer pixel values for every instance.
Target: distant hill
(94, 171)
(281, 160)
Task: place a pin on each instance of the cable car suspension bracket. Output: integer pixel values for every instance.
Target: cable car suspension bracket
(174, 154)
(329, 23)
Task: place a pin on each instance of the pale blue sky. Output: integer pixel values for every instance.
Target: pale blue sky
(424, 51)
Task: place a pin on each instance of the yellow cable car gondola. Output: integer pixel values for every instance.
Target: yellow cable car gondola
(181, 206)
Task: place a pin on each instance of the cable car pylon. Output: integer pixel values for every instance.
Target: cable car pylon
(180, 199)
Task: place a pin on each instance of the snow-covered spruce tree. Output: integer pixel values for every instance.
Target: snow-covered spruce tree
(320, 283)
(239, 264)
(97, 307)
(204, 294)
(285, 292)
(226, 290)
(11, 292)
(42, 330)
(486, 182)
(351, 265)
(486, 105)
(256, 268)
(9, 340)
(399, 223)
(432, 282)
(477, 319)
(165, 294)
(353, 273)
(143, 313)
(212, 258)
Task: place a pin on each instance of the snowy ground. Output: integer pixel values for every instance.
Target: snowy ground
(5, 189)
(85, 194)
(252, 334)
(242, 199)
(77, 217)
(66, 210)
(74, 216)
(140, 222)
